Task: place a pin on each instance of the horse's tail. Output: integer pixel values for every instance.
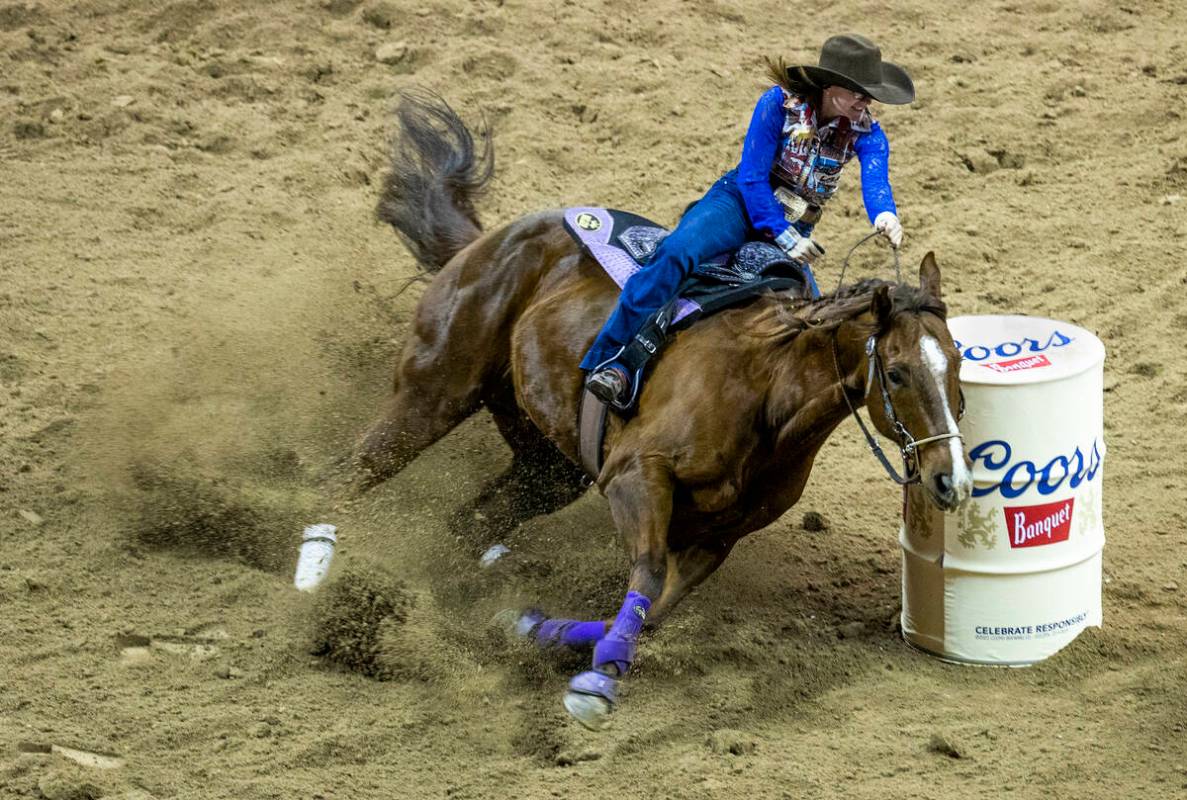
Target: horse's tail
(428, 196)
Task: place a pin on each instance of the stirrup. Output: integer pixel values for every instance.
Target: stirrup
(634, 356)
(622, 403)
(608, 384)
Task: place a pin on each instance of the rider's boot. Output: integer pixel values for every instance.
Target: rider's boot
(610, 384)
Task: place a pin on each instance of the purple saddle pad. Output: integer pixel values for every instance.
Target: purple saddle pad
(621, 242)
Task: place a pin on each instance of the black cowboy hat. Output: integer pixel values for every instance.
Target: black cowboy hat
(855, 63)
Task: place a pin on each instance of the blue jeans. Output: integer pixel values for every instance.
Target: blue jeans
(716, 224)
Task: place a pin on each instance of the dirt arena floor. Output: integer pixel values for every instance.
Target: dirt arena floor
(199, 315)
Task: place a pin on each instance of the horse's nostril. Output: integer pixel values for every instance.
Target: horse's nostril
(943, 483)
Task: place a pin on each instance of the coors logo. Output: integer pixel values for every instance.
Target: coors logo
(980, 352)
(1018, 364)
(1032, 526)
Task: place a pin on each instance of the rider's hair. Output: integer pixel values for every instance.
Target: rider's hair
(795, 81)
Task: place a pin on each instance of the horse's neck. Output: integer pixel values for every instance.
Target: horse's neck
(805, 402)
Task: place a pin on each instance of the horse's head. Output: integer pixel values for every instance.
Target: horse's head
(913, 390)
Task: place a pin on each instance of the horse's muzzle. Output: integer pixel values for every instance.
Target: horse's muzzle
(946, 491)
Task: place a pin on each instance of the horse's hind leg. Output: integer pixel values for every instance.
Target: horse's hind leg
(540, 480)
(411, 422)
(460, 342)
(437, 384)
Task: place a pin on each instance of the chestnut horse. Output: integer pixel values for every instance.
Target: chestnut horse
(728, 424)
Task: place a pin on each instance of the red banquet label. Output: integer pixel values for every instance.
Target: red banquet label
(1018, 364)
(1033, 526)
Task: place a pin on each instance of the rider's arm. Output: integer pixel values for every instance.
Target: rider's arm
(873, 150)
(758, 156)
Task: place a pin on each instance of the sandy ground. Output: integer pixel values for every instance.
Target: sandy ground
(198, 316)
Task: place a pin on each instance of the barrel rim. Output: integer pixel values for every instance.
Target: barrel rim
(1092, 360)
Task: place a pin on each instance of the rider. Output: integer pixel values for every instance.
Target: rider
(803, 131)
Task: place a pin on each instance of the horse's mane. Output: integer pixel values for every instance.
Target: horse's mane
(784, 318)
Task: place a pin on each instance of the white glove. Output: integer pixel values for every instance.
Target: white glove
(799, 248)
(888, 225)
(806, 250)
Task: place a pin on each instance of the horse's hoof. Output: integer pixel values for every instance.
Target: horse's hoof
(590, 710)
(518, 623)
(506, 620)
(591, 697)
(493, 554)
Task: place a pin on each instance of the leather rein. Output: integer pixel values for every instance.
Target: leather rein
(907, 444)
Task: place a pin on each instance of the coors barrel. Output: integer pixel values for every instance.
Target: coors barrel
(1014, 575)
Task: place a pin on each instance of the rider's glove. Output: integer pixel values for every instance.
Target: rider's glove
(799, 248)
(888, 225)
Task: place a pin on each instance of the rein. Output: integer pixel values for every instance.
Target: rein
(898, 273)
(907, 444)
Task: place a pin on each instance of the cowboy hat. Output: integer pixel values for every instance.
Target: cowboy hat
(855, 63)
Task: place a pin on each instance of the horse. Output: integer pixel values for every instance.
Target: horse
(727, 426)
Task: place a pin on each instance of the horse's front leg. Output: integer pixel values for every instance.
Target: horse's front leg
(687, 569)
(641, 503)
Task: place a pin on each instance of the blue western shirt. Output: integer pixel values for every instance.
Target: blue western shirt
(785, 147)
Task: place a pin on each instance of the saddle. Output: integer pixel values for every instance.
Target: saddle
(622, 243)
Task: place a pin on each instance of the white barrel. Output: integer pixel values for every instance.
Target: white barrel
(1014, 575)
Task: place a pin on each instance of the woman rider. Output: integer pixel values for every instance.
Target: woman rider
(803, 132)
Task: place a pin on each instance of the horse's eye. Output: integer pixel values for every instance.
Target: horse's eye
(894, 377)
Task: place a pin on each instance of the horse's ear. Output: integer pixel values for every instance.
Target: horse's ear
(881, 305)
(929, 276)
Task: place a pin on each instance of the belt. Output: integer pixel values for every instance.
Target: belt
(796, 208)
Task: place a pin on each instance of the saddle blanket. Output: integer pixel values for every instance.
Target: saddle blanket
(621, 242)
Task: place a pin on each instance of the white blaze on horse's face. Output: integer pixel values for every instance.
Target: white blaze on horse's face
(933, 356)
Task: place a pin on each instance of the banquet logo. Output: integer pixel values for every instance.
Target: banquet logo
(1018, 364)
(1019, 475)
(1034, 526)
(979, 352)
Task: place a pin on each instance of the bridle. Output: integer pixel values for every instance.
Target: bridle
(908, 445)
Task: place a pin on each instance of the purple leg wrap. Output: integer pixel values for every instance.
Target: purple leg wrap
(569, 633)
(618, 646)
(615, 651)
